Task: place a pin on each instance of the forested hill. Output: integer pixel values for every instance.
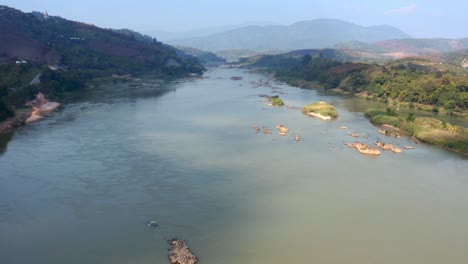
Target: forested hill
(41, 38)
(68, 53)
(440, 81)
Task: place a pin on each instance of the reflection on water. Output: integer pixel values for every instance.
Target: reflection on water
(80, 186)
(4, 139)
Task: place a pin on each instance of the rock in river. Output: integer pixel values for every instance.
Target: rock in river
(180, 253)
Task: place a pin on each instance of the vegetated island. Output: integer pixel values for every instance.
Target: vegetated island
(425, 129)
(320, 110)
(435, 82)
(276, 101)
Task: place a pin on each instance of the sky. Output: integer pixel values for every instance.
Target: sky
(418, 18)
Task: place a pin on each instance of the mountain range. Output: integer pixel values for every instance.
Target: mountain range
(319, 33)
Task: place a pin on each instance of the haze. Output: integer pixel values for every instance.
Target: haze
(417, 18)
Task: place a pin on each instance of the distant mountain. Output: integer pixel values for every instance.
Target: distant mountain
(423, 45)
(319, 33)
(204, 57)
(400, 48)
(202, 32)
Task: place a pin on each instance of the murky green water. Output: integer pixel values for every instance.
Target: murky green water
(80, 186)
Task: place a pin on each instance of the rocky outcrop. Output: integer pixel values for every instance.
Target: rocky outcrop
(40, 106)
(256, 128)
(180, 253)
(282, 130)
(363, 148)
(385, 146)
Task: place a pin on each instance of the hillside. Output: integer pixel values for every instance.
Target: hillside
(423, 45)
(204, 57)
(320, 33)
(439, 81)
(53, 40)
(65, 54)
(400, 48)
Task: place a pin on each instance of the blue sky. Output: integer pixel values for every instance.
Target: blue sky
(418, 18)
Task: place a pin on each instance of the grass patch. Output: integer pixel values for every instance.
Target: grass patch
(429, 130)
(370, 113)
(385, 119)
(276, 101)
(321, 108)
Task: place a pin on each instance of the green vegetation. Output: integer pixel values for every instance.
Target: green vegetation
(429, 130)
(321, 108)
(276, 101)
(426, 84)
(385, 119)
(79, 52)
(370, 113)
(380, 117)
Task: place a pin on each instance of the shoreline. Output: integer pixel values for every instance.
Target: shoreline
(11, 124)
(317, 86)
(320, 116)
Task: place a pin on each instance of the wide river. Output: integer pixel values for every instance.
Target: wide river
(80, 186)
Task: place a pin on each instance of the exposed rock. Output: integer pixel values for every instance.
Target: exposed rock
(363, 148)
(297, 138)
(391, 147)
(40, 106)
(256, 128)
(415, 140)
(180, 253)
(408, 147)
(343, 127)
(283, 131)
(152, 223)
(356, 135)
(389, 133)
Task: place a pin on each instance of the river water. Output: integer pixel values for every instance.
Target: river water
(80, 186)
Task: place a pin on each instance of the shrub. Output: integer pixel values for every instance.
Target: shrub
(385, 119)
(391, 112)
(370, 113)
(450, 104)
(276, 101)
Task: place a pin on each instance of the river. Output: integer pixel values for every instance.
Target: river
(81, 185)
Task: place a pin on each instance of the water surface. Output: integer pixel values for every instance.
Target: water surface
(80, 186)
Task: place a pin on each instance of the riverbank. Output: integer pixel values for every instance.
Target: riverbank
(105, 166)
(12, 123)
(433, 109)
(424, 129)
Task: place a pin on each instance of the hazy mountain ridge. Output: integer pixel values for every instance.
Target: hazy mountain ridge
(424, 45)
(319, 33)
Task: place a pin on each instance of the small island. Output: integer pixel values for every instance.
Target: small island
(276, 101)
(320, 110)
